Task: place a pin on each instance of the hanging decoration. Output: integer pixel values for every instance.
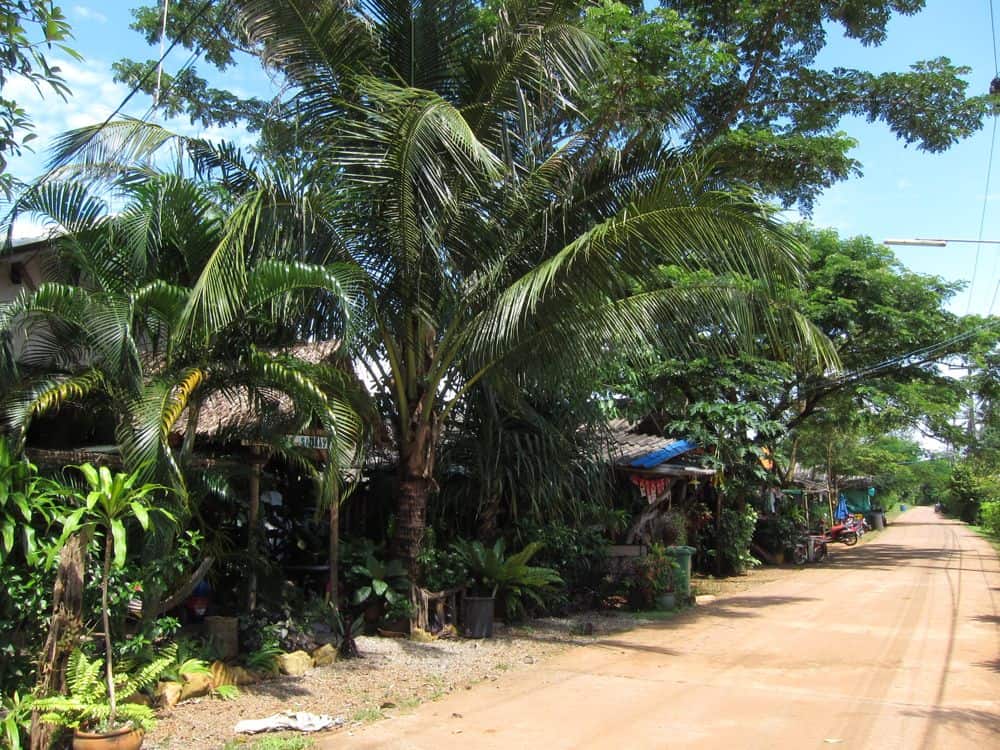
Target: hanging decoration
(651, 488)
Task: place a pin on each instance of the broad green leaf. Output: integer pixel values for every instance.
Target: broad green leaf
(141, 514)
(120, 542)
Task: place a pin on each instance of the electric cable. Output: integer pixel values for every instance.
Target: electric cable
(135, 89)
(986, 195)
(892, 361)
(982, 215)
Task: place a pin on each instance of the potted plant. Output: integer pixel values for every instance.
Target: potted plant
(491, 573)
(107, 502)
(88, 707)
(653, 582)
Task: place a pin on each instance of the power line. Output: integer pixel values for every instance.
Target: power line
(993, 29)
(897, 359)
(137, 87)
(989, 169)
(982, 215)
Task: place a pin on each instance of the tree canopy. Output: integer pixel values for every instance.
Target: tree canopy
(740, 75)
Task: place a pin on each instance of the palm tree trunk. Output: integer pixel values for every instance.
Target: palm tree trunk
(489, 514)
(333, 557)
(416, 466)
(106, 621)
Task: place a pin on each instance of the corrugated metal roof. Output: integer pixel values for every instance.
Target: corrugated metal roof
(661, 455)
(643, 451)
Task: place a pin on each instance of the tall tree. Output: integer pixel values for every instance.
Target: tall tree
(738, 74)
(890, 329)
(29, 29)
(491, 251)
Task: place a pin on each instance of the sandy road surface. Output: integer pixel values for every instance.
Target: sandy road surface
(892, 644)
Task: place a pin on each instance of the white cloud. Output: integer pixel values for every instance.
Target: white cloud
(90, 14)
(94, 95)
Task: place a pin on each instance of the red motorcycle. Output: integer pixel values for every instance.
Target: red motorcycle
(848, 532)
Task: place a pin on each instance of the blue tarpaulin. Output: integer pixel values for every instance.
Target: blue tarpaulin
(657, 457)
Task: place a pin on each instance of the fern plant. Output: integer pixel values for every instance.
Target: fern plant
(493, 573)
(88, 705)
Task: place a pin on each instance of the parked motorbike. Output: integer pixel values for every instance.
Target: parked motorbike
(848, 532)
(809, 548)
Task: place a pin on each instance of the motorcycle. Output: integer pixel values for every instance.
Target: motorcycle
(810, 548)
(848, 532)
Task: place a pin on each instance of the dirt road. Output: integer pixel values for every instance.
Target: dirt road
(892, 644)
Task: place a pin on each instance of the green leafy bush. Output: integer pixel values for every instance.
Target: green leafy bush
(440, 568)
(88, 704)
(578, 555)
(493, 573)
(649, 577)
(736, 529)
(989, 516)
(377, 581)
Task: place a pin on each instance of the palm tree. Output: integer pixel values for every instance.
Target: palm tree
(115, 327)
(499, 238)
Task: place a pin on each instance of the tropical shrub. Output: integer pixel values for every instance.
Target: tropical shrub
(735, 532)
(989, 516)
(493, 573)
(90, 705)
(379, 582)
(107, 502)
(31, 516)
(649, 577)
(578, 555)
(440, 568)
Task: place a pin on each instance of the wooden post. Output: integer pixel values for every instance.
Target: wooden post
(334, 556)
(253, 521)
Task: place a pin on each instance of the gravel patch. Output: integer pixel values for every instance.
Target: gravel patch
(394, 676)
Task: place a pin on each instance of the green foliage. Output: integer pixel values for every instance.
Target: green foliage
(26, 509)
(31, 517)
(15, 718)
(29, 29)
(226, 692)
(650, 576)
(972, 484)
(494, 573)
(489, 245)
(107, 501)
(777, 534)
(440, 568)
(377, 581)
(736, 530)
(989, 516)
(88, 704)
(264, 659)
(578, 555)
(271, 743)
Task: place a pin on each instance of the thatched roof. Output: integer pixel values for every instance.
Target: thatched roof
(236, 412)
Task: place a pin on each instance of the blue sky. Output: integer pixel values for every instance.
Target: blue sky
(903, 193)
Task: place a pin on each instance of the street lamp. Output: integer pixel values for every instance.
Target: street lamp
(922, 242)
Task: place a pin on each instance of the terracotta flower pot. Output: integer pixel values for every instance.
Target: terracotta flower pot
(126, 738)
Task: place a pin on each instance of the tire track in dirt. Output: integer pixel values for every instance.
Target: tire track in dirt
(857, 720)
